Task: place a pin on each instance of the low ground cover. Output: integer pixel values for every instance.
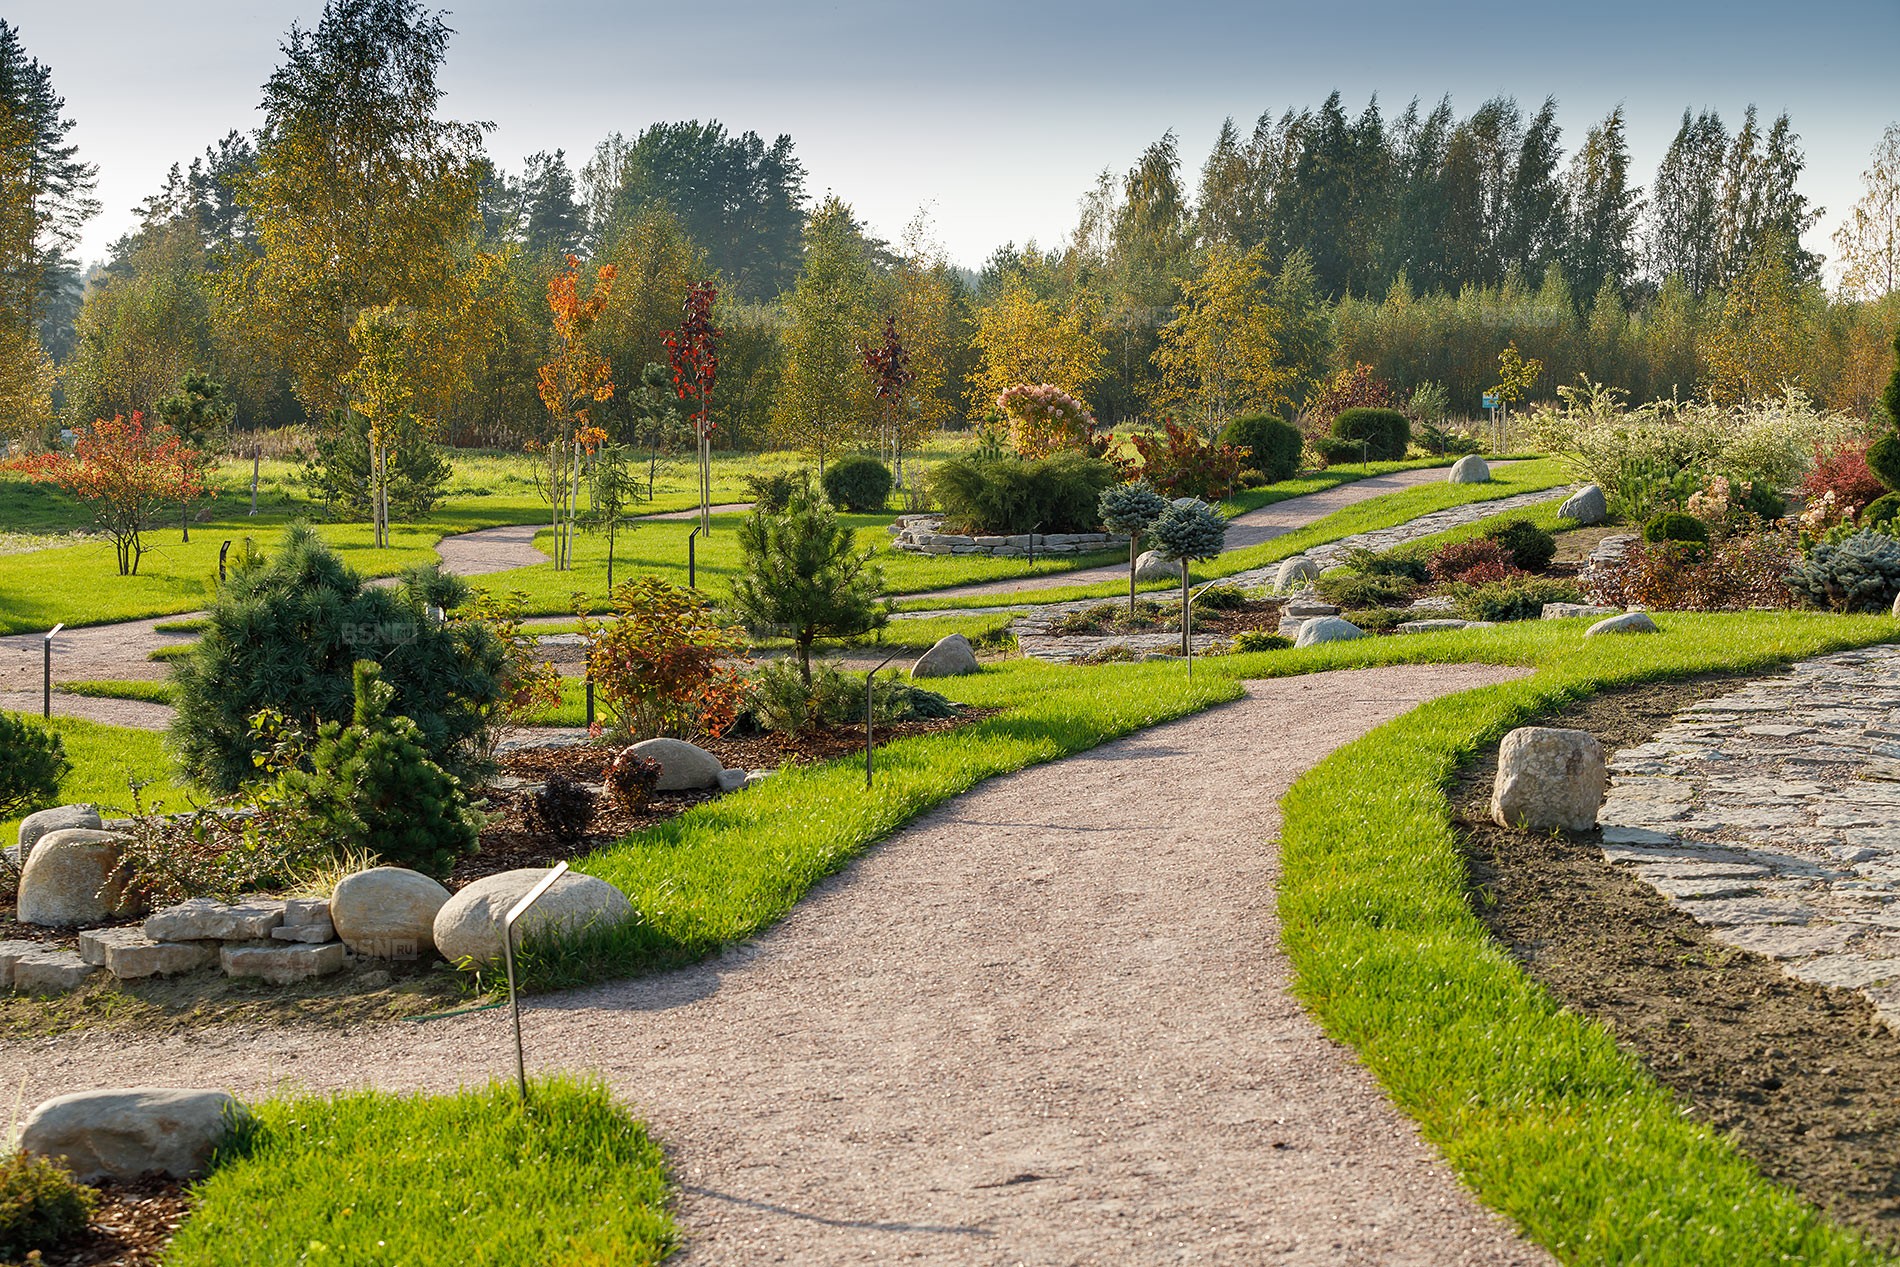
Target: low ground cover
(105, 762)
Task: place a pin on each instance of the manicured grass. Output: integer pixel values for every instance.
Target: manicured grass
(1385, 511)
(117, 688)
(726, 870)
(171, 651)
(474, 1179)
(105, 760)
(1533, 1104)
(195, 624)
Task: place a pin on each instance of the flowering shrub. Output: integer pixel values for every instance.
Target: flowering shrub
(1843, 472)
(1742, 570)
(1824, 514)
(1183, 463)
(1473, 562)
(658, 666)
(1044, 419)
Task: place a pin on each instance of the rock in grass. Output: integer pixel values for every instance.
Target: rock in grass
(951, 657)
(1293, 572)
(468, 927)
(74, 876)
(1548, 779)
(1327, 629)
(1570, 611)
(34, 826)
(1152, 565)
(387, 912)
(1586, 506)
(1469, 469)
(128, 1133)
(1627, 623)
(683, 766)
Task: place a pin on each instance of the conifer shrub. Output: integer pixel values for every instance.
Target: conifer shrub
(41, 1206)
(857, 483)
(802, 575)
(1260, 640)
(1859, 572)
(1386, 433)
(1007, 496)
(1530, 547)
(1674, 525)
(32, 766)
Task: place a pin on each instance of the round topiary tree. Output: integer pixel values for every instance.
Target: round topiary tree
(1272, 445)
(1131, 508)
(858, 484)
(1674, 525)
(1187, 531)
(1385, 433)
(283, 635)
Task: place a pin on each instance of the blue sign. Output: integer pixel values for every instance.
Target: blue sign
(1490, 401)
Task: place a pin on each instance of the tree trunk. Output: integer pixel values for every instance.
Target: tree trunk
(1131, 573)
(1186, 615)
(184, 520)
(804, 658)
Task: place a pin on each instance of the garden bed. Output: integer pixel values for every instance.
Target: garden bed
(131, 1226)
(1804, 1079)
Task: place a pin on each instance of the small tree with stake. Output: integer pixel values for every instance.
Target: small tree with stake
(1185, 533)
(888, 364)
(198, 415)
(694, 352)
(1131, 508)
(126, 472)
(801, 573)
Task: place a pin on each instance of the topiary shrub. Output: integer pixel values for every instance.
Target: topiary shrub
(630, 779)
(1881, 510)
(41, 1206)
(1272, 445)
(1529, 546)
(1005, 496)
(1860, 572)
(371, 786)
(1260, 640)
(858, 484)
(32, 766)
(771, 492)
(1883, 459)
(561, 809)
(1512, 598)
(1674, 525)
(1386, 433)
(1332, 451)
(282, 636)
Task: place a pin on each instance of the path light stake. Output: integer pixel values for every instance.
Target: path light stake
(1187, 622)
(515, 912)
(46, 700)
(692, 572)
(867, 715)
(590, 703)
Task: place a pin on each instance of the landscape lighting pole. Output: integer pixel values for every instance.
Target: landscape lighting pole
(692, 569)
(515, 912)
(868, 678)
(46, 698)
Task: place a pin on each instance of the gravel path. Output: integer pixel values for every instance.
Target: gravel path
(93, 652)
(1047, 1023)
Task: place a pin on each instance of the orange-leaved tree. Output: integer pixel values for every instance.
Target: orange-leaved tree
(570, 385)
(126, 472)
(663, 664)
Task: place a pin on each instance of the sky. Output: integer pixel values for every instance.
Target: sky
(993, 115)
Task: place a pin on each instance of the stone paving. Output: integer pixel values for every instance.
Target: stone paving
(1032, 628)
(1772, 815)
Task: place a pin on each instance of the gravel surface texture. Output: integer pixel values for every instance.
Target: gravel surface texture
(1049, 1022)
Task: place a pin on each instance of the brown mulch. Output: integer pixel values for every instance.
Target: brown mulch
(1804, 1079)
(131, 1227)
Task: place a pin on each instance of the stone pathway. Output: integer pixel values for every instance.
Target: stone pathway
(1032, 628)
(1048, 1022)
(1772, 815)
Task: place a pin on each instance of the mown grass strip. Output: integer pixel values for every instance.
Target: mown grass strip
(474, 1179)
(1534, 1105)
(105, 760)
(159, 692)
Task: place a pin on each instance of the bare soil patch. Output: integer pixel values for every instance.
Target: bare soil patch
(131, 1227)
(1804, 1079)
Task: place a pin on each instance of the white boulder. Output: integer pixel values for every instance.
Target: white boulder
(386, 912)
(469, 925)
(1627, 623)
(1469, 469)
(125, 1134)
(1327, 629)
(1586, 506)
(952, 656)
(1548, 779)
(683, 766)
(34, 826)
(1294, 571)
(74, 876)
(1152, 565)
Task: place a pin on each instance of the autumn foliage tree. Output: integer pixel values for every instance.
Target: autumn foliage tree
(663, 663)
(693, 350)
(127, 472)
(888, 364)
(570, 385)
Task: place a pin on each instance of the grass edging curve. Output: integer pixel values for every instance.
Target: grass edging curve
(1535, 1106)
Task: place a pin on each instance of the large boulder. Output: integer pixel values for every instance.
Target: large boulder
(1294, 571)
(1627, 623)
(75, 876)
(1469, 469)
(1152, 565)
(1586, 506)
(952, 656)
(1327, 629)
(59, 818)
(387, 912)
(1548, 780)
(125, 1134)
(683, 766)
(469, 925)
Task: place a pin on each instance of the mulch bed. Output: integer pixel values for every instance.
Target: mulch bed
(132, 1225)
(1805, 1080)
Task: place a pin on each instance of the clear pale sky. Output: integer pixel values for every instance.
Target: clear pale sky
(996, 113)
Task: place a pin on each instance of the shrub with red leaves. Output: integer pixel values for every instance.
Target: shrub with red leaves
(1845, 473)
(1734, 573)
(1474, 562)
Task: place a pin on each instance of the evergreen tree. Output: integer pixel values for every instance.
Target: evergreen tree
(1604, 209)
(1534, 222)
(801, 574)
(1414, 230)
(552, 224)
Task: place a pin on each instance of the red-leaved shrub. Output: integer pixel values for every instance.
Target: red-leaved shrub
(1733, 573)
(1845, 473)
(1475, 562)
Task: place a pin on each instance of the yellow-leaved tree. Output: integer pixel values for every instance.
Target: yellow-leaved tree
(1023, 339)
(1220, 356)
(1760, 343)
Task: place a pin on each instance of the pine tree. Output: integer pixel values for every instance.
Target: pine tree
(801, 574)
(552, 224)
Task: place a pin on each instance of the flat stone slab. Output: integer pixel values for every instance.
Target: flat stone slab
(282, 964)
(127, 953)
(201, 919)
(49, 970)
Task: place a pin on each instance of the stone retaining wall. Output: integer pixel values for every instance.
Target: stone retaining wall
(917, 534)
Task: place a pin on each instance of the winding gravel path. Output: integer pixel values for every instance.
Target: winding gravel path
(1050, 1022)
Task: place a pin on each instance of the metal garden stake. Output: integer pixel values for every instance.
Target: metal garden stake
(46, 700)
(692, 571)
(515, 912)
(867, 714)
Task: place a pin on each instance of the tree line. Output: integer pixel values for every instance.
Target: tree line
(1320, 243)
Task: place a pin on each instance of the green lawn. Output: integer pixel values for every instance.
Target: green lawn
(474, 1179)
(151, 692)
(105, 760)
